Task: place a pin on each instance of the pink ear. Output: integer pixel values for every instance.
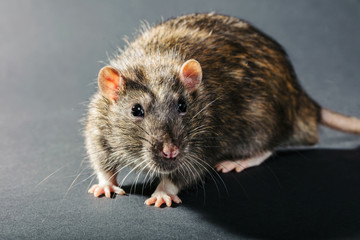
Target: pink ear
(191, 75)
(110, 82)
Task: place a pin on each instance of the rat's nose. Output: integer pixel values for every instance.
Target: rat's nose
(170, 150)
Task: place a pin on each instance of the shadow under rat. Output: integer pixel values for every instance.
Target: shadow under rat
(294, 194)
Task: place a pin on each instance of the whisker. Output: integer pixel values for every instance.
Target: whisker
(200, 178)
(138, 175)
(96, 152)
(211, 168)
(117, 171)
(216, 185)
(242, 187)
(122, 182)
(84, 180)
(51, 174)
(185, 166)
(73, 182)
(142, 129)
(92, 180)
(207, 105)
(146, 180)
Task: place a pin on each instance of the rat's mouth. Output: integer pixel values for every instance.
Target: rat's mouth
(167, 165)
(169, 159)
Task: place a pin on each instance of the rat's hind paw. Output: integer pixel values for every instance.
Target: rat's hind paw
(228, 166)
(239, 165)
(158, 198)
(106, 189)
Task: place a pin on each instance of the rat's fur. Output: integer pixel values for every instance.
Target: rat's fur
(249, 101)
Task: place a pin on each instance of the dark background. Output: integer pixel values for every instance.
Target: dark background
(50, 54)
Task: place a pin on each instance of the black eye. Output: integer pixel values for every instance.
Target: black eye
(137, 111)
(181, 106)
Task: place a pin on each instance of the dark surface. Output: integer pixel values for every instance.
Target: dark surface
(49, 59)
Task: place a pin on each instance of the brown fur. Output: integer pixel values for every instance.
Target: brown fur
(249, 100)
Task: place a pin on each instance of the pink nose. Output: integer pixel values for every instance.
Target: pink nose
(170, 150)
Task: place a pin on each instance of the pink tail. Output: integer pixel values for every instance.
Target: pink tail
(340, 122)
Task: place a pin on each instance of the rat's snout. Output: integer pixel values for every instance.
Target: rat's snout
(169, 150)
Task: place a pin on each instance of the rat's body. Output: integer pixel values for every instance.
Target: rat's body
(194, 92)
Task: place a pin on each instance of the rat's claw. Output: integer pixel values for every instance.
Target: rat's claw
(175, 199)
(98, 191)
(150, 201)
(92, 189)
(106, 189)
(159, 198)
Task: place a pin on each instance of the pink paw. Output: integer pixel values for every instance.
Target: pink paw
(241, 164)
(227, 166)
(159, 198)
(106, 189)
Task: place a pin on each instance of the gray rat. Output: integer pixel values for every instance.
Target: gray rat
(194, 92)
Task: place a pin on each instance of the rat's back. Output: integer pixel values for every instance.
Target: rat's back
(256, 90)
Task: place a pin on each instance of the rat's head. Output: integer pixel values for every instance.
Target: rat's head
(149, 118)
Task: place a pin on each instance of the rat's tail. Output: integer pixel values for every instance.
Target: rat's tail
(340, 122)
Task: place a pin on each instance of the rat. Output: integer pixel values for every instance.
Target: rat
(196, 92)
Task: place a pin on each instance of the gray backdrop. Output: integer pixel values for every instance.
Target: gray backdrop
(50, 54)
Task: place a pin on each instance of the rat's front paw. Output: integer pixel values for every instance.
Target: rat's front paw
(160, 197)
(106, 189)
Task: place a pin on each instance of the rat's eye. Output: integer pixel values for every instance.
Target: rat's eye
(181, 106)
(137, 111)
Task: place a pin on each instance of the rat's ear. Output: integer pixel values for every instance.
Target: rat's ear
(191, 75)
(110, 82)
